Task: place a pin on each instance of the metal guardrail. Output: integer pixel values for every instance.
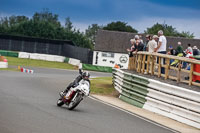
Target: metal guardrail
(151, 63)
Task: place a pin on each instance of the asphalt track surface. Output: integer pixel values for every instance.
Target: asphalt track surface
(28, 105)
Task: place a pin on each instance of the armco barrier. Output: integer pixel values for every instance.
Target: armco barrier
(8, 53)
(66, 60)
(24, 55)
(45, 57)
(171, 101)
(96, 68)
(74, 62)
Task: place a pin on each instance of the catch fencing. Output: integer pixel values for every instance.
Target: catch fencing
(45, 46)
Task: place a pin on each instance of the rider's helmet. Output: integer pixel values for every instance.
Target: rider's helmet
(86, 75)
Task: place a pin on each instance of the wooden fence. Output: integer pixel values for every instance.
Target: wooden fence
(151, 63)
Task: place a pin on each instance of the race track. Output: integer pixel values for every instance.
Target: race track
(28, 105)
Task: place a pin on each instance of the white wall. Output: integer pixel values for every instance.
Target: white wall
(110, 59)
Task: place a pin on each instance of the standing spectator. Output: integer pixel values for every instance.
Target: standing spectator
(152, 44)
(161, 48)
(140, 36)
(148, 38)
(132, 48)
(138, 44)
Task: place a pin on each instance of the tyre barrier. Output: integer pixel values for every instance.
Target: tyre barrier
(26, 70)
(3, 64)
(171, 101)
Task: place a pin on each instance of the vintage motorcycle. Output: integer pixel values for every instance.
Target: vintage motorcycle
(75, 94)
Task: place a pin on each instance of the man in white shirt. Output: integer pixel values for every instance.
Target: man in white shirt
(162, 45)
(152, 45)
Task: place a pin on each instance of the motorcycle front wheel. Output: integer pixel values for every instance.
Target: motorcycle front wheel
(60, 102)
(74, 103)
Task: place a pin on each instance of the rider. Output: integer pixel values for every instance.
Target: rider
(83, 75)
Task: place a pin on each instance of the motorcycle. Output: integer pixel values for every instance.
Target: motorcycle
(75, 95)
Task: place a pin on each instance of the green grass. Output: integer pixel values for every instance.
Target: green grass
(102, 86)
(9, 69)
(38, 63)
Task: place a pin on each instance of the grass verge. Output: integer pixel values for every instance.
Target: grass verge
(9, 69)
(102, 86)
(38, 63)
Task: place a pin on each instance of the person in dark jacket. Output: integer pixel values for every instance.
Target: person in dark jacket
(83, 75)
(195, 51)
(138, 44)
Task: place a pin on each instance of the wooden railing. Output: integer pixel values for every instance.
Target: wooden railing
(151, 63)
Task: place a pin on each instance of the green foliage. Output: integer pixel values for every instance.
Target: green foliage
(44, 25)
(120, 26)
(91, 32)
(168, 31)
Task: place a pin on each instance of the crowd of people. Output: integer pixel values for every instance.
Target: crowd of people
(158, 43)
(155, 43)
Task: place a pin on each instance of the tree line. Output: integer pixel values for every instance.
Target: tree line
(46, 25)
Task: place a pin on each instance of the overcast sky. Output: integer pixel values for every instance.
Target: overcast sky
(184, 15)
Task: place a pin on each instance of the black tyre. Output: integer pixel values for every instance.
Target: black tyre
(72, 105)
(60, 103)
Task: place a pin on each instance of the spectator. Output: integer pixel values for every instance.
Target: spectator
(179, 48)
(132, 48)
(162, 43)
(172, 51)
(152, 44)
(195, 51)
(140, 36)
(138, 44)
(148, 38)
(189, 49)
(161, 48)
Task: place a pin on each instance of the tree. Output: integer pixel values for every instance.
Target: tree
(168, 31)
(44, 25)
(91, 32)
(120, 26)
(46, 16)
(68, 24)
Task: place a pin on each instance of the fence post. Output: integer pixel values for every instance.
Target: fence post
(148, 61)
(35, 47)
(167, 68)
(140, 63)
(10, 45)
(131, 63)
(143, 63)
(191, 74)
(179, 71)
(22, 48)
(152, 65)
(159, 66)
(136, 61)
